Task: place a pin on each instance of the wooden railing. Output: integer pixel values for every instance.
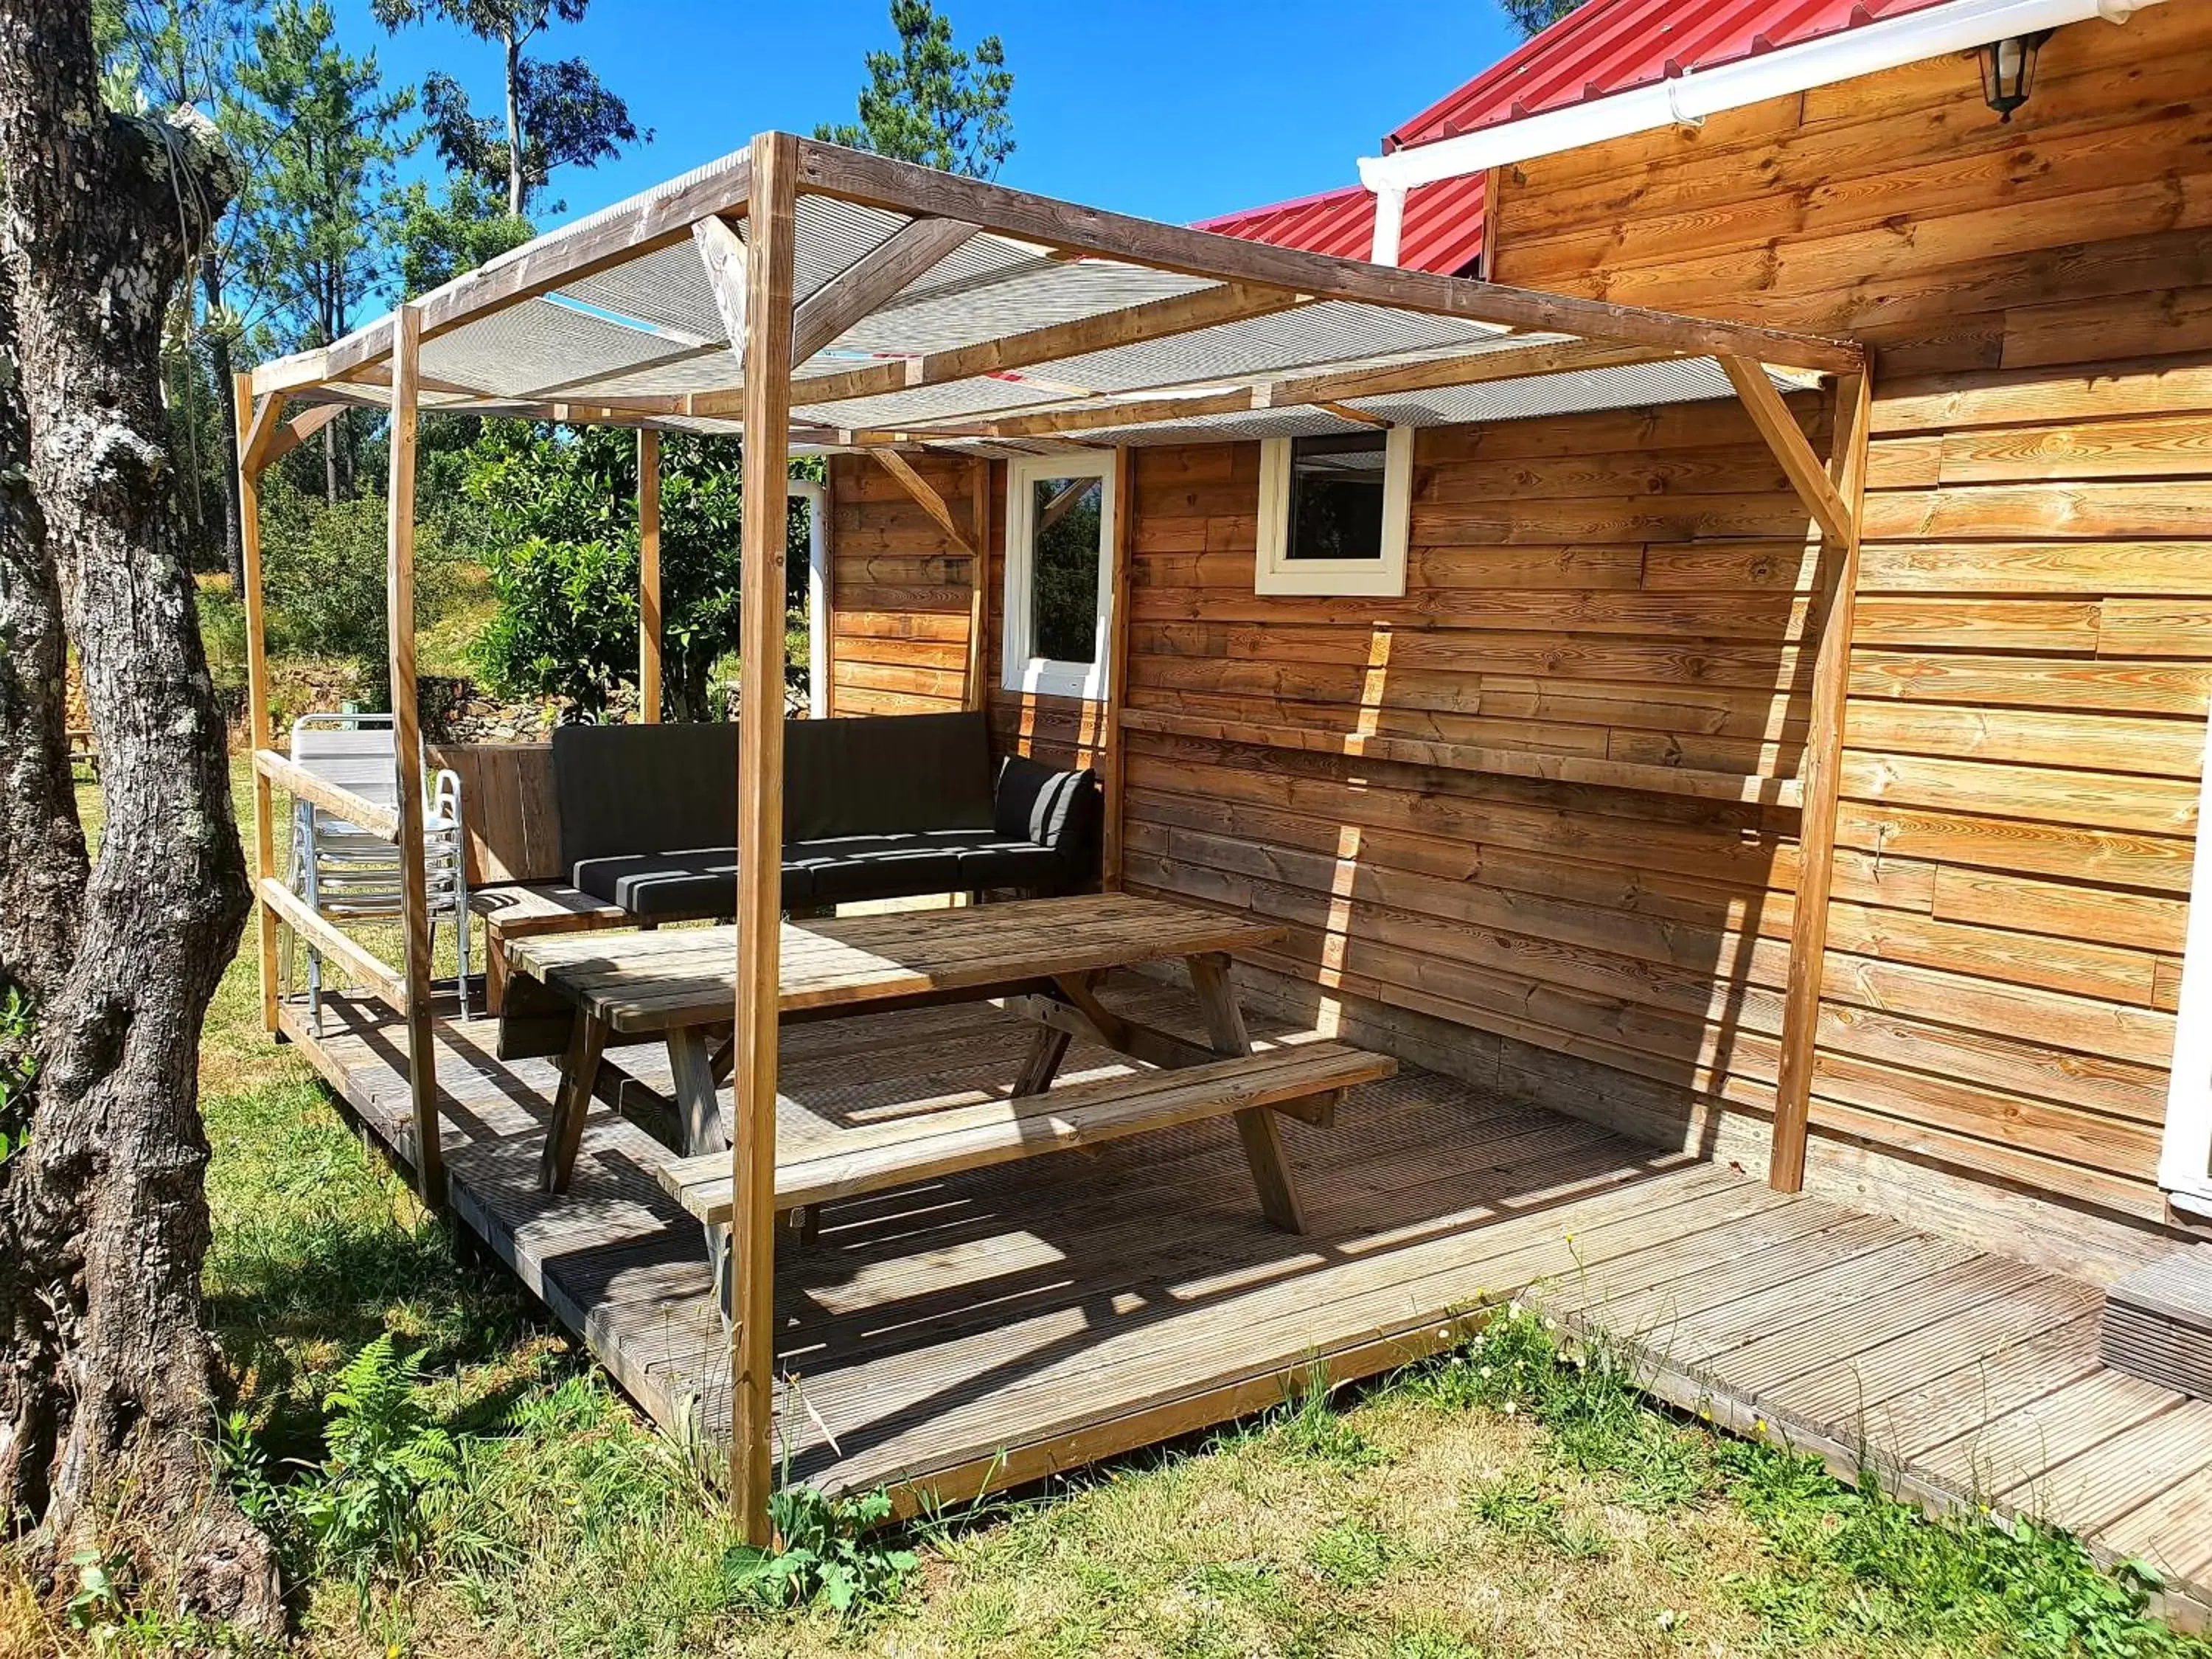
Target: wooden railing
(378, 821)
(363, 964)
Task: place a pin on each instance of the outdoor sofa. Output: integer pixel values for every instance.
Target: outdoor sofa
(878, 807)
(888, 806)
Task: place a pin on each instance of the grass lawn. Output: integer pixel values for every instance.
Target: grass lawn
(480, 1489)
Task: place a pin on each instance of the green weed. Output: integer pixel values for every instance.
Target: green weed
(830, 1550)
(1853, 1566)
(1309, 1426)
(19, 1071)
(1354, 1553)
(1522, 1510)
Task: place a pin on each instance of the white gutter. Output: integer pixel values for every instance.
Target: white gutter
(1687, 99)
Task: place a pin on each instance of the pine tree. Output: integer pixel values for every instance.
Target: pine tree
(1535, 16)
(558, 114)
(320, 218)
(932, 103)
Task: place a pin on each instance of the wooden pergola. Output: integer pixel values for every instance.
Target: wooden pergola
(799, 292)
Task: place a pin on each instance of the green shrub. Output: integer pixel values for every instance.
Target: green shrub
(222, 637)
(19, 1069)
(558, 515)
(323, 572)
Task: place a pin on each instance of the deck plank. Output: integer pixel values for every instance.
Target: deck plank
(1000, 1324)
(2017, 1448)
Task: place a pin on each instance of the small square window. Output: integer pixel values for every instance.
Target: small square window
(1333, 513)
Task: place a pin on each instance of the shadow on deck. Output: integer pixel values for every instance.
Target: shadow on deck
(989, 1329)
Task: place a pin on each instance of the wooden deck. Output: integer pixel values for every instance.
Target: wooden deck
(988, 1329)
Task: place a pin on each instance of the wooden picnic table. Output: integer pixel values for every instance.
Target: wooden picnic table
(1041, 959)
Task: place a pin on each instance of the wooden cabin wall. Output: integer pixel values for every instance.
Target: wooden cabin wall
(899, 612)
(1606, 596)
(2021, 758)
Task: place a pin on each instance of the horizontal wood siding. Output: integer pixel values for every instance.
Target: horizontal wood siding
(1539, 795)
(899, 610)
(2034, 646)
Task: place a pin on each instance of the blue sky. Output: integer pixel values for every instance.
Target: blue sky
(1171, 111)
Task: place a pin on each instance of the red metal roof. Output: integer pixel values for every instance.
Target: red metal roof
(1610, 46)
(1602, 46)
(1443, 229)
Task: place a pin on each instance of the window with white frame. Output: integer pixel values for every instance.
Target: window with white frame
(1059, 573)
(1334, 512)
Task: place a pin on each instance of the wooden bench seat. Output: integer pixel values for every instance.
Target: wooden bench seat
(924, 1147)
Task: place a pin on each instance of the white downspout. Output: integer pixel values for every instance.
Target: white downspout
(1390, 225)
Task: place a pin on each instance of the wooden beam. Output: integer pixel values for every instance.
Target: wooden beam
(648, 577)
(1117, 665)
(1346, 412)
(977, 684)
(903, 187)
(1164, 404)
(723, 252)
(1136, 324)
(760, 824)
(1824, 742)
(295, 432)
(863, 287)
(926, 497)
(1787, 440)
(261, 426)
(303, 785)
(657, 218)
(1064, 503)
(407, 741)
(257, 685)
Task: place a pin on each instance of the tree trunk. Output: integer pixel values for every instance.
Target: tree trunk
(112, 1376)
(42, 857)
(514, 190)
(220, 364)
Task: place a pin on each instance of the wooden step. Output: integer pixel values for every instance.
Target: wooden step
(901, 1151)
(2158, 1322)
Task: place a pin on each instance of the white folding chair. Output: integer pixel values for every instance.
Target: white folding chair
(346, 874)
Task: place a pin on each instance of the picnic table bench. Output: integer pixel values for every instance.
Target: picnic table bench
(1039, 959)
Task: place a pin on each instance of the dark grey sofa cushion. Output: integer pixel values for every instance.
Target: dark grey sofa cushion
(697, 882)
(1064, 811)
(626, 789)
(846, 869)
(886, 776)
(1012, 864)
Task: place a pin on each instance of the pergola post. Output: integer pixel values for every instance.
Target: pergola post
(978, 687)
(767, 347)
(1112, 745)
(648, 576)
(257, 683)
(1836, 508)
(407, 745)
